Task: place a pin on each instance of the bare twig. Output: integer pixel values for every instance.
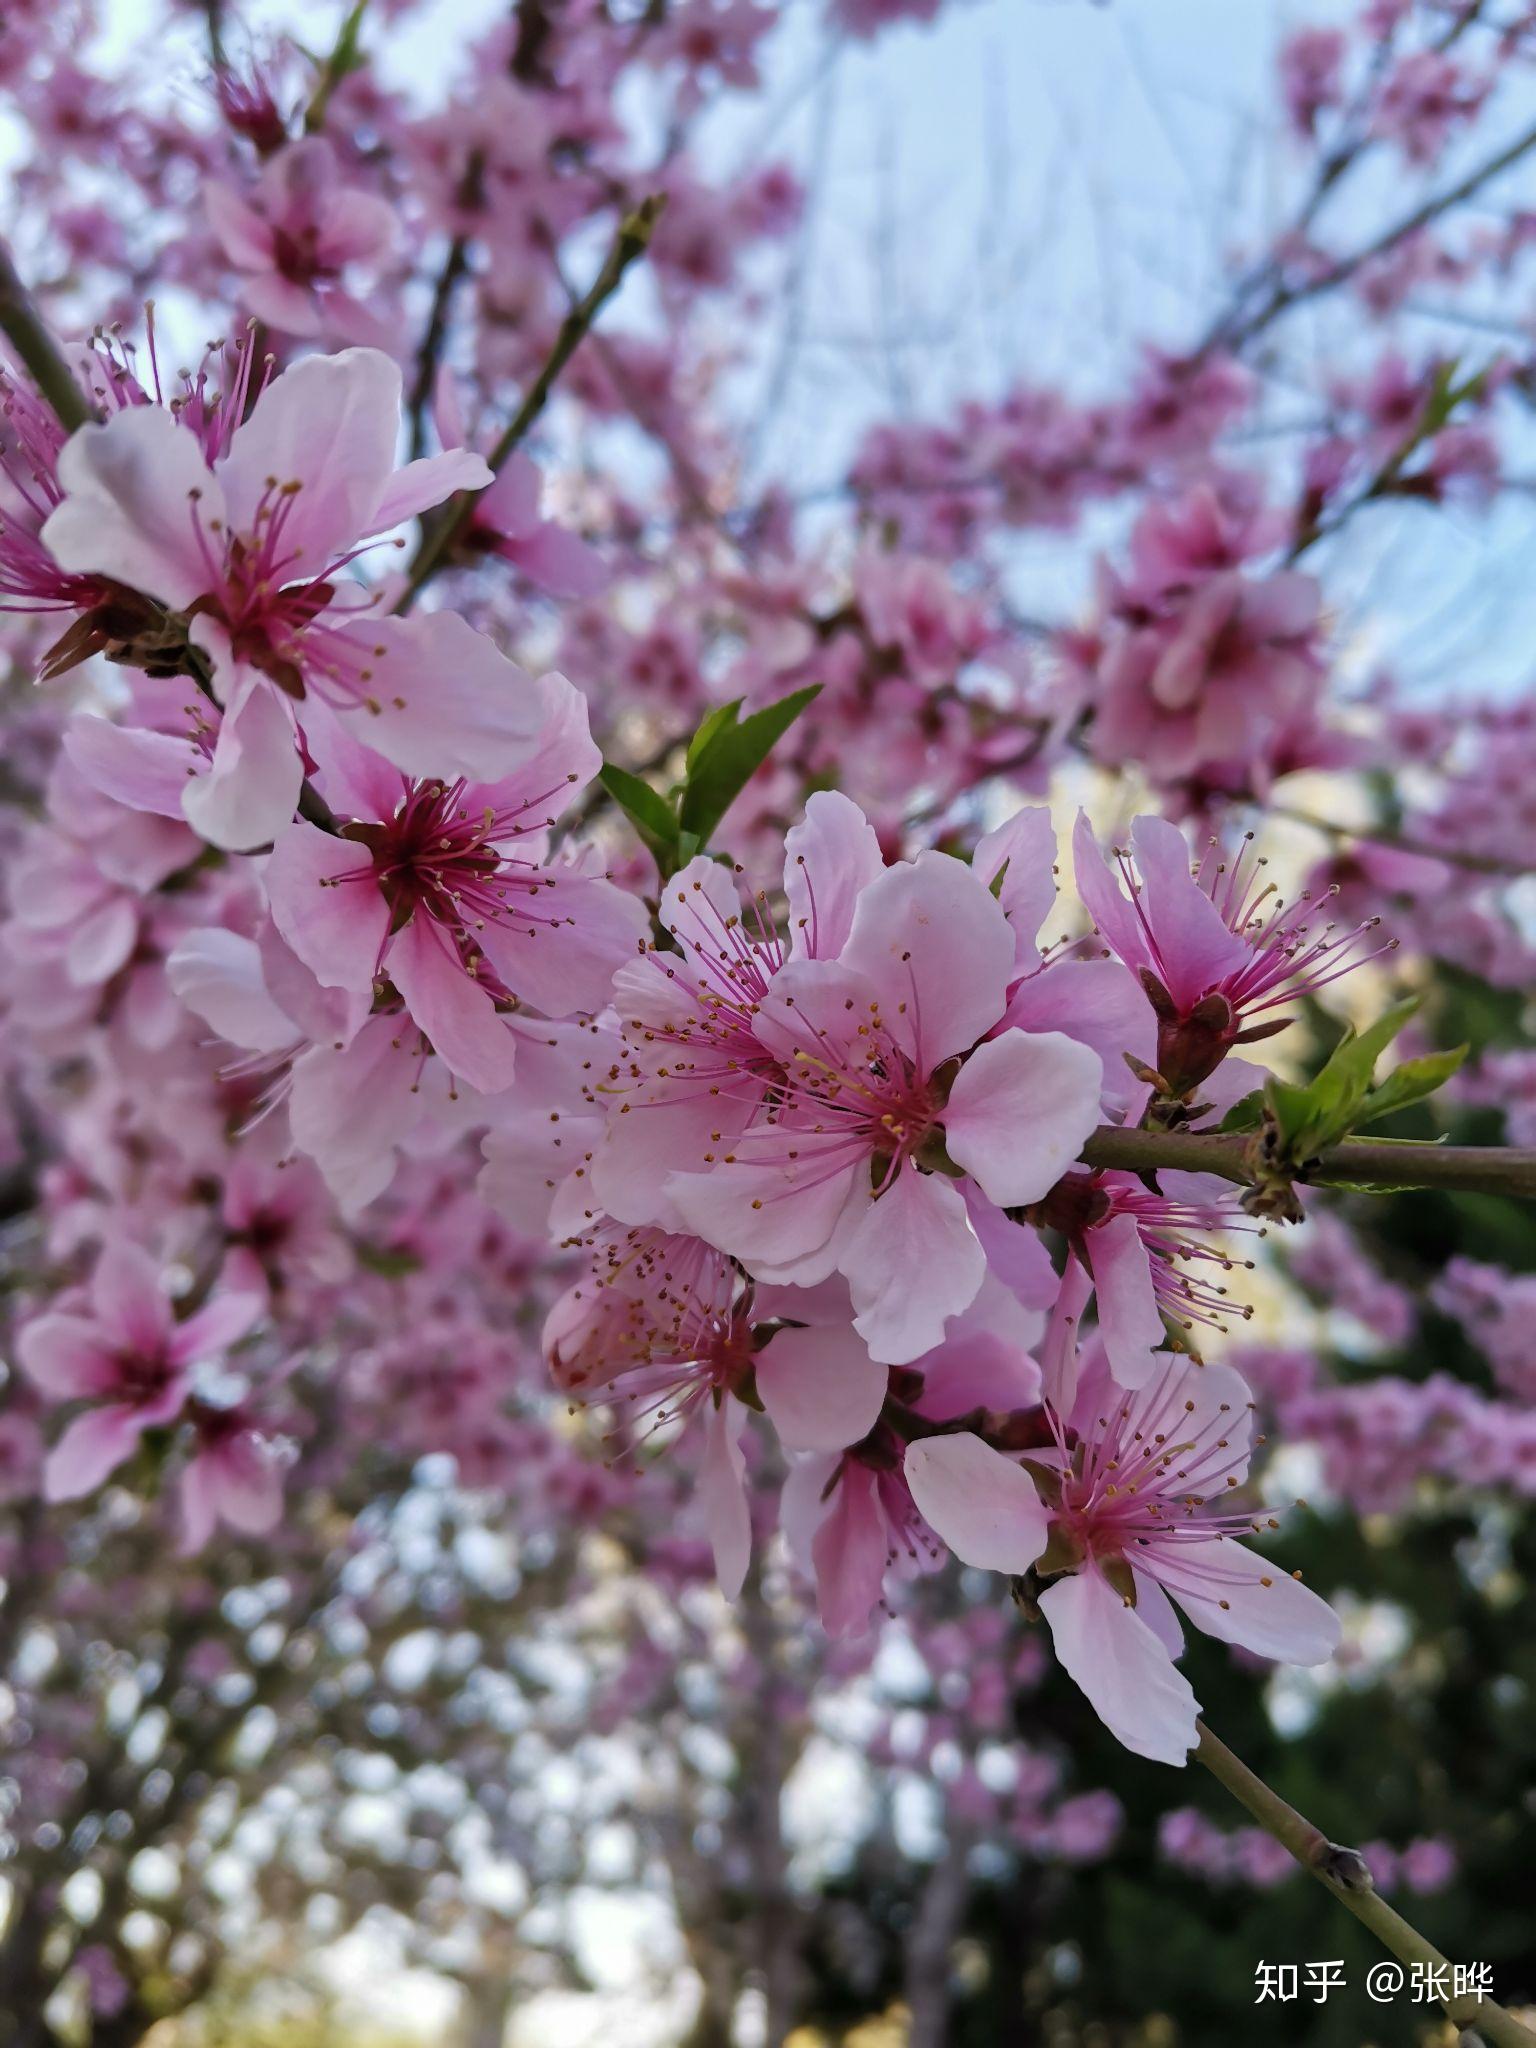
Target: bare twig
(1344, 1873)
(38, 350)
(630, 243)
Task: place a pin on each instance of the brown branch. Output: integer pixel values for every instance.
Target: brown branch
(38, 350)
(1358, 1162)
(1344, 1873)
(630, 243)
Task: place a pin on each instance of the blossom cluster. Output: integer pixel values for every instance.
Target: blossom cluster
(376, 1065)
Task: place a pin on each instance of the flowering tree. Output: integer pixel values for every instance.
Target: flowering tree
(528, 945)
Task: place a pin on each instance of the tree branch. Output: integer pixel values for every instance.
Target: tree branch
(1358, 1162)
(38, 350)
(630, 243)
(1344, 1873)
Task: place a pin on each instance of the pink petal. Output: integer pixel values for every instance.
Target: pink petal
(568, 965)
(329, 424)
(511, 505)
(1020, 1111)
(1195, 946)
(128, 1299)
(820, 1387)
(1122, 1665)
(723, 1494)
(427, 482)
(145, 770)
(851, 1550)
(130, 486)
(1016, 1255)
(217, 974)
(1239, 1597)
(102, 942)
(783, 1222)
(564, 760)
(450, 703)
(983, 1505)
(828, 858)
(1105, 901)
(663, 1131)
(94, 1445)
(326, 904)
(279, 303)
(67, 1356)
(939, 951)
(252, 788)
(246, 237)
(1129, 1321)
(445, 1002)
(1156, 1610)
(348, 1108)
(558, 562)
(1058, 1351)
(1023, 852)
(1101, 1005)
(203, 1338)
(912, 1262)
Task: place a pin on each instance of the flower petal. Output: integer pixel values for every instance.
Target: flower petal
(1020, 1111)
(1129, 1321)
(449, 1005)
(828, 858)
(930, 936)
(252, 787)
(326, 904)
(983, 1505)
(1123, 1666)
(93, 1446)
(820, 1387)
(130, 487)
(445, 701)
(1239, 1597)
(912, 1262)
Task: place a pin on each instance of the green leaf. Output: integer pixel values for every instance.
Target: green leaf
(347, 57)
(1309, 1119)
(650, 814)
(723, 758)
(718, 719)
(1244, 1115)
(1411, 1082)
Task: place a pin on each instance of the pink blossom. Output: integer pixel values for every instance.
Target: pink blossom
(1213, 945)
(295, 238)
(877, 1062)
(1426, 98)
(1312, 75)
(1114, 1522)
(445, 890)
(1147, 1254)
(127, 1355)
(233, 1475)
(662, 1327)
(250, 551)
(694, 1071)
(1215, 677)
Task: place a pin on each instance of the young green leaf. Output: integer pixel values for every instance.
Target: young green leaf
(1411, 1082)
(650, 814)
(726, 752)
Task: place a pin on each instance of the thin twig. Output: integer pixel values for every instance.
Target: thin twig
(38, 350)
(1344, 1873)
(631, 243)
